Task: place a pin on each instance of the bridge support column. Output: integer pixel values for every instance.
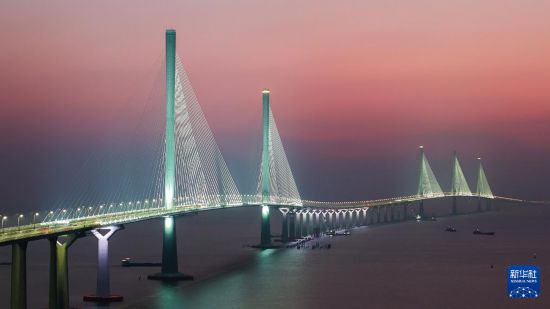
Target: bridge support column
(388, 213)
(284, 228)
(421, 208)
(404, 205)
(309, 218)
(316, 223)
(330, 219)
(453, 211)
(19, 275)
(169, 269)
(324, 218)
(301, 223)
(479, 205)
(489, 205)
(292, 225)
(265, 237)
(103, 286)
(59, 270)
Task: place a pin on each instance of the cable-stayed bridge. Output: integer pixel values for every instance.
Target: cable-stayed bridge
(188, 174)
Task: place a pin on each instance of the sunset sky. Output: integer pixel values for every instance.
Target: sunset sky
(356, 87)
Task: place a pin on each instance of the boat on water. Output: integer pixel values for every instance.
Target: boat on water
(478, 232)
(450, 229)
(127, 262)
(419, 218)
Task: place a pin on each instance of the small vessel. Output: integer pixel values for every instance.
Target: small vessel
(450, 229)
(478, 232)
(127, 262)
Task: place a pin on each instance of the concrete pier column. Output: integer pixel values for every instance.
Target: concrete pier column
(369, 216)
(284, 228)
(292, 225)
(479, 205)
(453, 210)
(59, 270)
(364, 216)
(18, 275)
(265, 237)
(489, 204)
(421, 208)
(316, 223)
(404, 205)
(301, 223)
(377, 214)
(103, 285)
(308, 222)
(324, 220)
(330, 219)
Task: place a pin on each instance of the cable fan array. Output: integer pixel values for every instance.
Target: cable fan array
(427, 184)
(459, 184)
(282, 186)
(202, 176)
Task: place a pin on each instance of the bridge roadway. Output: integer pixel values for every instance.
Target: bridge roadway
(61, 226)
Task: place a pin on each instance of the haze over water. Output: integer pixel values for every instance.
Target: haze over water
(387, 266)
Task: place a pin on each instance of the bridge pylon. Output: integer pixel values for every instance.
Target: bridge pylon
(427, 183)
(169, 269)
(483, 190)
(459, 185)
(265, 232)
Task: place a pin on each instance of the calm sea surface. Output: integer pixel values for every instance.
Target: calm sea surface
(401, 265)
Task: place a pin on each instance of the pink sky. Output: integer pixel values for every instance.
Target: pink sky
(350, 79)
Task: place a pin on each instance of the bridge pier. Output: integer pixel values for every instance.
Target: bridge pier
(301, 224)
(330, 219)
(421, 208)
(284, 228)
(292, 225)
(316, 223)
(479, 205)
(169, 269)
(453, 211)
(103, 285)
(405, 211)
(368, 216)
(388, 213)
(59, 270)
(18, 275)
(489, 204)
(308, 222)
(377, 214)
(265, 237)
